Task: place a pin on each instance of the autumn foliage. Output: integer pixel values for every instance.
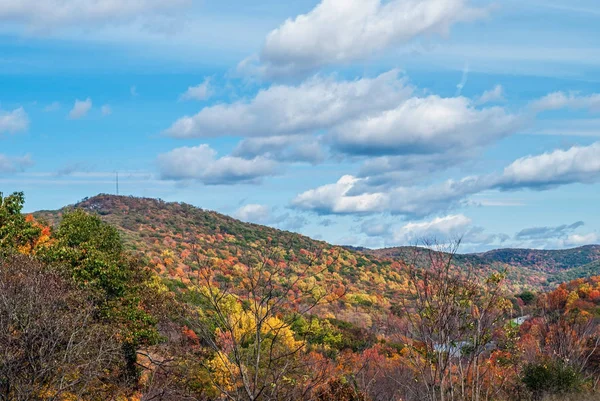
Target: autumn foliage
(166, 301)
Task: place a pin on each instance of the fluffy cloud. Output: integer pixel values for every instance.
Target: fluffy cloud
(253, 213)
(579, 240)
(14, 164)
(424, 125)
(440, 228)
(340, 31)
(365, 117)
(199, 92)
(579, 164)
(387, 171)
(200, 163)
(80, 108)
(546, 232)
(348, 196)
(492, 96)
(262, 214)
(334, 199)
(358, 195)
(13, 121)
(59, 13)
(282, 148)
(316, 104)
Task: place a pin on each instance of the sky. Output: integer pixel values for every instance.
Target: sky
(371, 123)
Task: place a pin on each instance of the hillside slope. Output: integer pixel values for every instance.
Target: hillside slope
(166, 233)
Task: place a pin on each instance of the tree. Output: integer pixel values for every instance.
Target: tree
(246, 321)
(451, 318)
(92, 253)
(51, 346)
(551, 377)
(15, 230)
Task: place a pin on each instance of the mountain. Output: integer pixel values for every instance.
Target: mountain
(166, 232)
(538, 268)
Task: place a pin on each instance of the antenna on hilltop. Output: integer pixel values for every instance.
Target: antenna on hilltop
(117, 182)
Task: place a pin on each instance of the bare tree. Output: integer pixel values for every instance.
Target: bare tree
(450, 317)
(51, 346)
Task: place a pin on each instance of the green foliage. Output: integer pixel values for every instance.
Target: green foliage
(82, 231)
(353, 338)
(527, 297)
(15, 231)
(588, 270)
(318, 332)
(551, 377)
(91, 252)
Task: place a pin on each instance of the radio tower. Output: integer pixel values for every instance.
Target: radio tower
(117, 182)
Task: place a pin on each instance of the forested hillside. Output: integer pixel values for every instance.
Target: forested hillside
(120, 298)
(152, 226)
(536, 268)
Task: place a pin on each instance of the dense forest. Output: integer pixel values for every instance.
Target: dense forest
(120, 298)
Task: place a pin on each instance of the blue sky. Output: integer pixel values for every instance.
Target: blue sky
(363, 122)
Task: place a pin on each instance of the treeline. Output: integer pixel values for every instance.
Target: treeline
(81, 318)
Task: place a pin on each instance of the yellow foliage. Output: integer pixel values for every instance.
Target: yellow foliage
(223, 371)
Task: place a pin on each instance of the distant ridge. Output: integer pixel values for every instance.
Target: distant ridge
(538, 259)
(148, 224)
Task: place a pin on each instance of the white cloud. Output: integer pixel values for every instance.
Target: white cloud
(59, 14)
(349, 195)
(561, 100)
(386, 171)
(359, 195)
(14, 164)
(341, 31)
(253, 213)
(365, 117)
(265, 215)
(424, 125)
(581, 239)
(440, 228)
(199, 92)
(80, 108)
(106, 110)
(296, 148)
(334, 199)
(494, 95)
(13, 121)
(579, 164)
(316, 104)
(562, 242)
(201, 164)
